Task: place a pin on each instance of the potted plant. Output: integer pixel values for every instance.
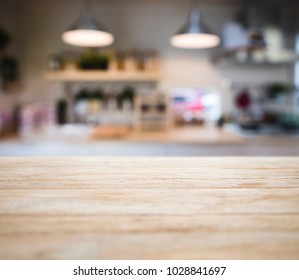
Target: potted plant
(289, 122)
(5, 39)
(81, 103)
(277, 90)
(96, 99)
(8, 64)
(126, 97)
(9, 71)
(93, 60)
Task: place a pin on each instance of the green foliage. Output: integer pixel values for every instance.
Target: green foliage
(88, 94)
(93, 60)
(276, 89)
(128, 93)
(97, 94)
(82, 95)
(5, 39)
(289, 121)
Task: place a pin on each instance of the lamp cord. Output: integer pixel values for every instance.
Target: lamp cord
(195, 4)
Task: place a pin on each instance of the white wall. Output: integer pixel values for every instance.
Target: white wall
(135, 24)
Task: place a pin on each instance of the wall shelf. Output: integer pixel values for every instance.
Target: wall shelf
(251, 64)
(103, 76)
(228, 60)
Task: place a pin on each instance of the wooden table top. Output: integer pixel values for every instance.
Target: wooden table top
(149, 208)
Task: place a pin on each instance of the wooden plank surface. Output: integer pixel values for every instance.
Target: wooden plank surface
(149, 208)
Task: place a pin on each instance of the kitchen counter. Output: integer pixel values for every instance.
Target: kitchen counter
(149, 208)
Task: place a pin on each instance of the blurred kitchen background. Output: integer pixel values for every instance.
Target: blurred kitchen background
(163, 78)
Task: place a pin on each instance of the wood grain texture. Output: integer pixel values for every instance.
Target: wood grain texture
(149, 208)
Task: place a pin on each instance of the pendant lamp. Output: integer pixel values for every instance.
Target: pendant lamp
(194, 34)
(87, 31)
